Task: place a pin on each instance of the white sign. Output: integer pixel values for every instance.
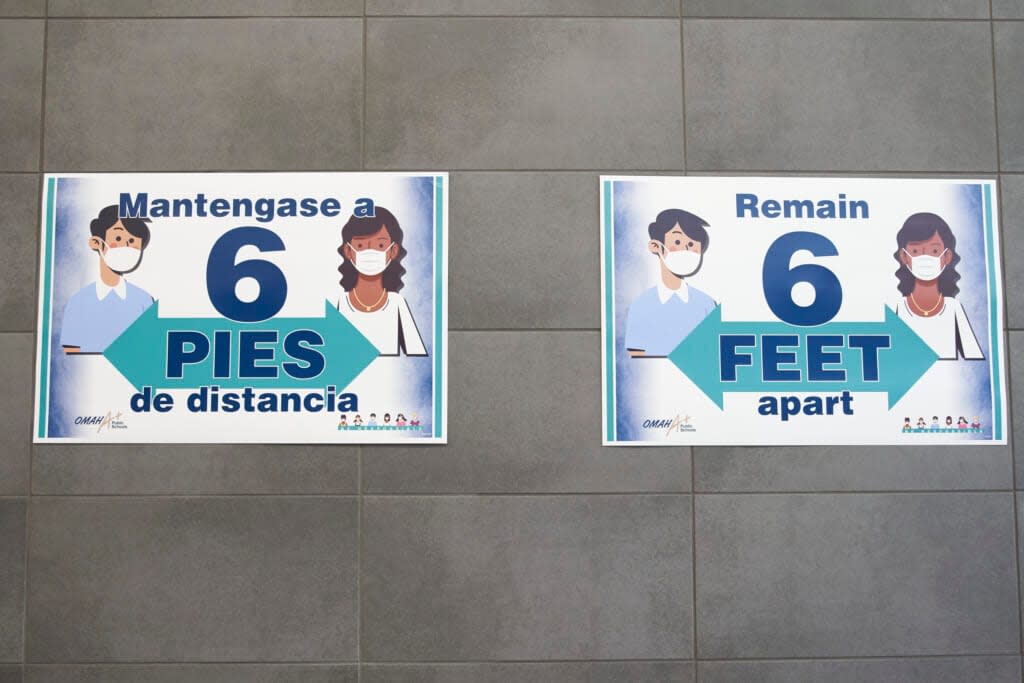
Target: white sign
(243, 307)
(801, 311)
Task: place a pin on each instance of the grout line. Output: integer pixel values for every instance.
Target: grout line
(362, 124)
(407, 17)
(42, 101)
(568, 494)
(359, 572)
(918, 20)
(428, 663)
(534, 17)
(25, 579)
(1006, 339)
(693, 558)
(189, 496)
(995, 90)
(35, 342)
(610, 170)
(682, 76)
(360, 448)
(510, 494)
(1009, 375)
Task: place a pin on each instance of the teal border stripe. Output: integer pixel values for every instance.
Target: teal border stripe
(439, 289)
(993, 322)
(609, 320)
(44, 347)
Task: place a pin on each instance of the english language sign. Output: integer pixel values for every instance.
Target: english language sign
(768, 311)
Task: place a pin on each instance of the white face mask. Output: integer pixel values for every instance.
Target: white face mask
(371, 261)
(926, 268)
(680, 263)
(121, 259)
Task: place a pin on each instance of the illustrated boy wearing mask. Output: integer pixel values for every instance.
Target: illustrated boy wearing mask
(663, 316)
(98, 313)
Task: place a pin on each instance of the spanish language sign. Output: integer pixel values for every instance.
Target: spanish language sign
(243, 307)
(801, 311)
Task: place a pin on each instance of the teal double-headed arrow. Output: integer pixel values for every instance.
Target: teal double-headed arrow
(287, 347)
(721, 357)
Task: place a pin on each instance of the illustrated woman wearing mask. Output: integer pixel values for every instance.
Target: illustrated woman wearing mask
(98, 313)
(663, 316)
(926, 252)
(371, 275)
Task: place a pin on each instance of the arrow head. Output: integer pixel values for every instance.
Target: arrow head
(347, 351)
(132, 352)
(697, 356)
(907, 361)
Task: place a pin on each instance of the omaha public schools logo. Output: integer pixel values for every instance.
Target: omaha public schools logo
(679, 423)
(111, 420)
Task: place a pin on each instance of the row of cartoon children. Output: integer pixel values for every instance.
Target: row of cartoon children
(961, 423)
(400, 421)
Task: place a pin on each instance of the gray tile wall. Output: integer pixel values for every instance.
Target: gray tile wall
(523, 551)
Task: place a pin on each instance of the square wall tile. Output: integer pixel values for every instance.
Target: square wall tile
(205, 8)
(16, 407)
(21, 93)
(839, 9)
(209, 94)
(492, 94)
(852, 468)
(839, 96)
(525, 251)
(235, 579)
(929, 670)
(12, 580)
(1008, 9)
(787, 576)
(566, 672)
(1009, 47)
(10, 674)
(524, 417)
(91, 469)
(583, 8)
(193, 673)
(458, 578)
(19, 230)
(22, 8)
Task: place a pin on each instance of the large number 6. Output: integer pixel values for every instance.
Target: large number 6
(222, 274)
(778, 279)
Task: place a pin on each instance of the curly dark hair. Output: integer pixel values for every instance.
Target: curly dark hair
(918, 228)
(362, 226)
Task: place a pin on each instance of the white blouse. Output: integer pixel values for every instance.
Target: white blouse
(386, 326)
(939, 331)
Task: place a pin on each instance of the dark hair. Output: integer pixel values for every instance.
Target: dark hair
(918, 228)
(108, 216)
(693, 226)
(367, 225)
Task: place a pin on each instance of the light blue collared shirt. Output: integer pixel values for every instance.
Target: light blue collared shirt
(661, 318)
(96, 315)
